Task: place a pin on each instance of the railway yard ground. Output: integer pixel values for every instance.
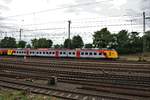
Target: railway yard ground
(135, 57)
(73, 79)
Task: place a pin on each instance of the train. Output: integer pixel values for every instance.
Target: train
(61, 53)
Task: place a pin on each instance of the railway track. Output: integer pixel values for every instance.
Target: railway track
(145, 70)
(103, 92)
(80, 81)
(82, 64)
(91, 77)
(118, 79)
(56, 92)
(61, 69)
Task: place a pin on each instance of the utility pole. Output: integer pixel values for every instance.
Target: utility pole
(69, 23)
(131, 25)
(144, 38)
(144, 33)
(20, 34)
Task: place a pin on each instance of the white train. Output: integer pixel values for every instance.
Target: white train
(78, 53)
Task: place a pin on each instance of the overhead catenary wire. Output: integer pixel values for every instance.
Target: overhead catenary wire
(58, 8)
(84, 25)
(76, 22)
(73, 27)
(71, 6)
(85, 4)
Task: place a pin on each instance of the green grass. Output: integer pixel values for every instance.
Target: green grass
(20, 95)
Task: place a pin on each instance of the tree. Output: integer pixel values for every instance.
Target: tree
(67, 43)
(57, 46)
(34, 43)
(136, 43)
(113, 44)
(50, 43)
(89, 45)
(21, 44)
(147, 39)
(77, 42)
(102, 38)
(123, 42)
(42, 43)
(28, 46)
(8, 42)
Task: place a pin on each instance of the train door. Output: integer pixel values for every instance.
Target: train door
(57, 54)
(78, 53)
(27, 52)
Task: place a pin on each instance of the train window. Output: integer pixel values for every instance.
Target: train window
(95, 53)
(82, 53)
(43, 52)
(53, 52)
(100, 53)
(40, 52)
(46, 52)
(17, 51)
(86, 53)
(60, 52)
(64, 53)
(69, 53)
(73, 53)
(37, 52)
(49, 52)
(90, 53)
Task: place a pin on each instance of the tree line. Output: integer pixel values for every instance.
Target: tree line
(124, 42)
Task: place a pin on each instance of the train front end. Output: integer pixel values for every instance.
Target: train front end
(111, 54)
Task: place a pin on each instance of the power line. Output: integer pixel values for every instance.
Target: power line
(74, 22)
(59, 8)
(80, 27)
(44, 23)
(45, 29)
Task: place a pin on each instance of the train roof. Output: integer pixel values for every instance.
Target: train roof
(45, 49)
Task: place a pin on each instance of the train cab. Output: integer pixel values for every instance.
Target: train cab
(111, 54)
(3, 52)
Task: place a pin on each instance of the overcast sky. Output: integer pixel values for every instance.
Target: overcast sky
(91, 15)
